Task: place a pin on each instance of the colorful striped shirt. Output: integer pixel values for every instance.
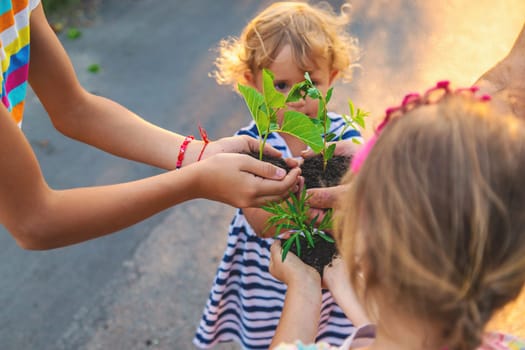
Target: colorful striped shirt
(14, 53)
(246, 301)
(491, 341)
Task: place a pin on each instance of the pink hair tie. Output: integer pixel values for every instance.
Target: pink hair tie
(410, 101)
(362, 154)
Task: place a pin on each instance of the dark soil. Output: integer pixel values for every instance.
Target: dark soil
(314, 176)
(317, 257)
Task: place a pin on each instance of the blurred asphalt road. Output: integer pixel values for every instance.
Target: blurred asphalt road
(145, 287)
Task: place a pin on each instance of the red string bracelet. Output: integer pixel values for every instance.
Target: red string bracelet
(182, 150)
(204, 136)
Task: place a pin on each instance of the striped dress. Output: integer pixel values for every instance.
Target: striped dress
(14, 53)
(245, 301)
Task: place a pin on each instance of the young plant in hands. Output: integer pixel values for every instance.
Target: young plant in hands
(293, 215)
(264, 107)
(355, 120)
(308, 89)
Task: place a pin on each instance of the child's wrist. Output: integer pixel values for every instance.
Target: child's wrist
(307, 282)
(190, 153)
(183, 150)
(192, 150)
(310, 292)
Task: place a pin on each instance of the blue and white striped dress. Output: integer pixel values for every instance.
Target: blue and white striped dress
(245, 301)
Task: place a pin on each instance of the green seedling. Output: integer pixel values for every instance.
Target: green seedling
(292, 215)
(355, 120)
(308, 89)
(264, 108)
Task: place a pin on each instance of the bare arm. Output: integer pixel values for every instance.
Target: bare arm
(257, 218)
(39, 217)
(336, 279)
(302, 304)
(89, 118)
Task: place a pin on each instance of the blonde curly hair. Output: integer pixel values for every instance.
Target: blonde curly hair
(314, 32)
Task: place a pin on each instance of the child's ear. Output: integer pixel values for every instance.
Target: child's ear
(250, 78)
(333, 75)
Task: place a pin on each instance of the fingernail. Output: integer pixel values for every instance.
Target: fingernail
(280, 173)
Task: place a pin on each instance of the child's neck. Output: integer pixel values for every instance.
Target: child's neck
(295, 145)
(406, 333)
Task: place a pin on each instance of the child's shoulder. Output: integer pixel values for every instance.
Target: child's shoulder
(250, 130)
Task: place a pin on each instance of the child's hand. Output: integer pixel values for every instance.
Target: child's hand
(241, 180)
(320, 199)
(292, 271)
(345, 148)
(326, 197)
(504, 81)
(242, 144)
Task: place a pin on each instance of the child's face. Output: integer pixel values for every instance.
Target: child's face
(287, 73)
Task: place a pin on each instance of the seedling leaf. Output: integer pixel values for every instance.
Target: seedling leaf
(309, 239)
(329, 95)
(255, 102)
(298, 245)
(330, 151)
(325, 237)
(286, 247)
(351, 107)
(296, 93)
(301, 126)
(274, 98)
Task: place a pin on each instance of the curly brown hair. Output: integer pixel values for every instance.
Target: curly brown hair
(314, 32)
(435, 218)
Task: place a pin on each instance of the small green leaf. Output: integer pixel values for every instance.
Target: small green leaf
(351, 107)
(314, 93)
(298, 245)
(330, 136)
(255, 102)
(296, 92)
(273, 98)
(274, 126)
(309, 238)
(326, 223)
(329, 95)
(73, 33)
(326, 237)
(286, 247)
(93, 68)
(329, 152)
(307, 78)
(292, 206)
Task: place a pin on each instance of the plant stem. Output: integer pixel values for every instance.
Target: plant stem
(325, 116)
